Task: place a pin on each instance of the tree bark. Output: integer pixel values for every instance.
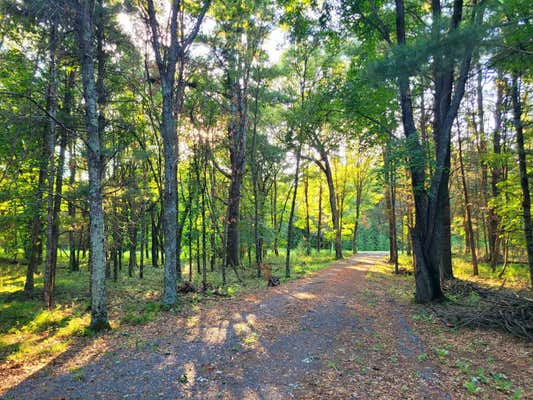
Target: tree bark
(51, 100)
(358, 197)
(155, 234)
(482, 150)
(170, 196)
(36, 228)
(275, 216)
(390, 198)
(254, 172)
(237, 132)
(73, 264)
(167, 59)
(522, 163)
(333, 205)
(133, 232)
(237, 136)
(427, 233)
(204, 226)
(319, 222)
(307, 223)
(291, 214)
(427, 278)
(99, 318)
(496, 171)
(57, 205)
(468, 208)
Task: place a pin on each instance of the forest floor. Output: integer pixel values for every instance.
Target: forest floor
(349, 331)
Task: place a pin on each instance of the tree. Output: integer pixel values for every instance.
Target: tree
(242, 27)
(522, 163)
(85, 29)
(171, 61)
(468, 207)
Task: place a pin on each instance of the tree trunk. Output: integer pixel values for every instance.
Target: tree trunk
(445, 265)
(172, 85)
(427, 278)
(427, 234)
(204, 228)
(51, 100)
(410, 225)
(319, 222)
(99, 319)
(73, 264)
(494, 220)
(524, 181)
(179, 240)
(307, 224)
(214, 225)
(36, 227)
(275, 216)
(390, 199)
(358, 197)
(115, 234)
(468, 210)
(155, 234)
(333, 205)
(291, 214)
(133, 247)
(170, 196)
(114, 256)
(57, 206)
(394, 238)
(189, 237)
(482, 150)
(237, 138)
(254, 172)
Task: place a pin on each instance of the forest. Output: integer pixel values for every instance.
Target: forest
(299, 168)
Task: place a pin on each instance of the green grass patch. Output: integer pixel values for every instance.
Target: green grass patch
(516, 276)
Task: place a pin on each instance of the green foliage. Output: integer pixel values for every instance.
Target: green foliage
(471, 386)
(423, 316)
(464, 366)
(333, 94)
(439, 352)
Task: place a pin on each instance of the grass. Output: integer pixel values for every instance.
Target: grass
(28, 332)
(516, 276)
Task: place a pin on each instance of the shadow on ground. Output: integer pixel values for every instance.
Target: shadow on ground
(273, 346)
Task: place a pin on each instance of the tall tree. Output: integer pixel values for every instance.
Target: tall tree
(429, 236)
(171, 57)
(242, 28)
(496, 175)
(51, 139)
(85, 29)
(522, 164)
(468, 207)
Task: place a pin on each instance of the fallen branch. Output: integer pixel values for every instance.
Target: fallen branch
(479, 307)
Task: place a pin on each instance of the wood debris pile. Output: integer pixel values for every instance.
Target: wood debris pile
(474, 306)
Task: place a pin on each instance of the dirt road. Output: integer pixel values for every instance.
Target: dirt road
(334, 335)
